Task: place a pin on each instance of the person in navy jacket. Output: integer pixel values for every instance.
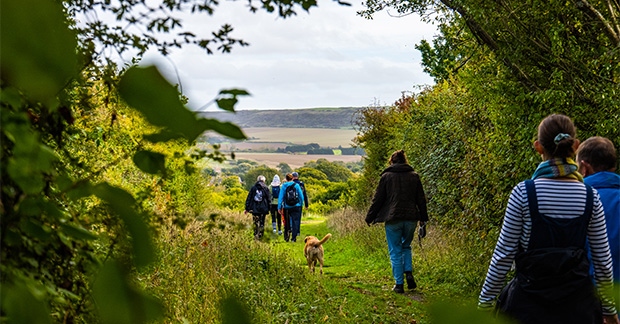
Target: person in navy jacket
(290, 212)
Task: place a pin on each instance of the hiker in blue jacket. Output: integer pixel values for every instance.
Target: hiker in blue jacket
(306, 201)
(290, 202)
(597, 161)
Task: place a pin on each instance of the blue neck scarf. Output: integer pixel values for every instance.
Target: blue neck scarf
(558, 168)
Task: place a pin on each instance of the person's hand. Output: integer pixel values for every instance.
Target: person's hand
(281, 211)
(611, 319)
(306, 207)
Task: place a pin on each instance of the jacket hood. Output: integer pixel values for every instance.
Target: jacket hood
(276, 181)
(604, 180)
(398, 167)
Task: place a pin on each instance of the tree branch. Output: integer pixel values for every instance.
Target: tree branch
(589, 10)
(612, 12)
(485, 38)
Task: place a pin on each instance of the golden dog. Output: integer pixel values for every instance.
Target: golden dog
(314, 251)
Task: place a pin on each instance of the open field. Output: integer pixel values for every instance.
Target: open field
(294, 160)
(262, 138)
(254, 146)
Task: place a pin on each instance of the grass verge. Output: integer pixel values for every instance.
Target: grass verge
(206, 265)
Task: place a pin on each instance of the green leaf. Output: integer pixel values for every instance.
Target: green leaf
(78, 232)
(42, 65)
(227, 99)
(35, 229)
(452, 313)
(150, 162)
(112, 296)
(80, 190)
(122, 203)
(113, 195)
(25, 175)
(225, 128)
(235, 92)
(227, 103)
(19, 305)
(30, 159)
(118, 302)
(161, 137)
(145, 89)
(32, 206)
(149, 92)
(233, 312)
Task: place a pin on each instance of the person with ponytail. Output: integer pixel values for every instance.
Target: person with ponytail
(548, 220)
(400, 203)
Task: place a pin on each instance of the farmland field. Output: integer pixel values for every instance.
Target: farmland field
(261, 138)
(294, 160)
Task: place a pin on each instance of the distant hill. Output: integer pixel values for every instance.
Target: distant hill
(304, 118)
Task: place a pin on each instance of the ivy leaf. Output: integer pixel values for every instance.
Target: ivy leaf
(44, 64)
(150, 162)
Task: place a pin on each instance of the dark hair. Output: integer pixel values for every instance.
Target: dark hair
(289, 177)
(599, 152)
(398, 157)
(556, 134)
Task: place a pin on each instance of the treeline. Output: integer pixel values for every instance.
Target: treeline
(500, 69)
(314, 148)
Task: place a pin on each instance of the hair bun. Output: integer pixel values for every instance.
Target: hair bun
(558, 138)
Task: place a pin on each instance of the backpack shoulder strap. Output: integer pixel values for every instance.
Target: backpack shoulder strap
(589, 201)
(532, 199)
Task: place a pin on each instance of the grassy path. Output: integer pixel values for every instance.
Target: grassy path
(362, 280)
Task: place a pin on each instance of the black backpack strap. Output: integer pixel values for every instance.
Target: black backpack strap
(589, 201)
(532, 199)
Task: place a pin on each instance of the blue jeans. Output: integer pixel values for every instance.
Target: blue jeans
(292, 223)
(399, 236)
(295, 213)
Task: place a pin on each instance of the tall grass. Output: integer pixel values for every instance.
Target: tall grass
(216, 260)
(210, 261)
(446, 263)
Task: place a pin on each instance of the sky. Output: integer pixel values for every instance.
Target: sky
(329, 57)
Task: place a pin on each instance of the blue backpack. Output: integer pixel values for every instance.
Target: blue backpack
(275, 192)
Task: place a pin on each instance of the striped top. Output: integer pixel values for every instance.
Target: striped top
(557, 199)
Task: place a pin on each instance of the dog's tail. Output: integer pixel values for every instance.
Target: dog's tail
(325, 239)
